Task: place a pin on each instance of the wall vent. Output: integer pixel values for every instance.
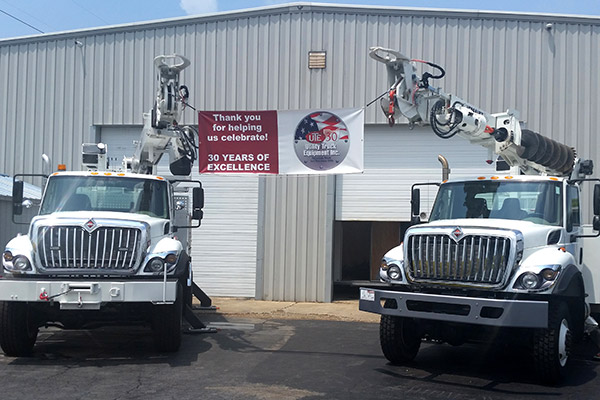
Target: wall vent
(317, 59)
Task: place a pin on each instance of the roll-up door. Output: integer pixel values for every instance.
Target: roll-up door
(395, 158)
(224, 247)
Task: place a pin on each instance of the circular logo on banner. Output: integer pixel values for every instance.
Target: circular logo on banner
(321, 141)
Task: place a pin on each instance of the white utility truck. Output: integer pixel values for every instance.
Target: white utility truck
(109, 245)
(500, 257)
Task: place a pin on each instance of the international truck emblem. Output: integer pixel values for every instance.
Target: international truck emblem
(457, 234)
(90, 226)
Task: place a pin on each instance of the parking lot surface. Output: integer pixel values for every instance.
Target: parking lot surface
(275, 358)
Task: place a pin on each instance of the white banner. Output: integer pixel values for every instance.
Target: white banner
(281, 142)
(321, 141)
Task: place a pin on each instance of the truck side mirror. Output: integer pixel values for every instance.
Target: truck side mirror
(597, 199)
(197, 203)
(415, 205)
(17, 197)
(596, 223)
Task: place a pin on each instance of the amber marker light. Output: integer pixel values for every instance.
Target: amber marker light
(62, 167)
(108, 173)
(8, 256)
(508, 177)
(481, 178)
(495, 177)
(553, 178)
(549, 274)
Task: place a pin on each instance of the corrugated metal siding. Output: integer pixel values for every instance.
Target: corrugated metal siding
(295, 251)
(54, 89)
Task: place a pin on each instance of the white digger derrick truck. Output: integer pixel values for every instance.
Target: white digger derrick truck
(500, 256)
(109, 245)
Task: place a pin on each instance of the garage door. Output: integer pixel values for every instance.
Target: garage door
(224, 247)
(395, 158)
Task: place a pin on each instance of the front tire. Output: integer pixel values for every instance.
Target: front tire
(17, 333)
(399, 338)
(166, 325)
(552, 346)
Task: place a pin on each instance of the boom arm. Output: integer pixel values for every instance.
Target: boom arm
(413, 97)
(161, 132)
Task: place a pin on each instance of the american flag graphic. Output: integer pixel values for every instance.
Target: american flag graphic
(321, 123)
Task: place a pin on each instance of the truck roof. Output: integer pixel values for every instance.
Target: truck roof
(116, 174)
(521, 178)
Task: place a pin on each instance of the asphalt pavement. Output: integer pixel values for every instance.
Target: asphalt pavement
(277, 351)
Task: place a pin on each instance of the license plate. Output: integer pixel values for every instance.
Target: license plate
(367, 294)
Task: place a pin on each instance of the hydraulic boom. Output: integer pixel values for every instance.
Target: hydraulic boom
(161, 132)
(412, 96)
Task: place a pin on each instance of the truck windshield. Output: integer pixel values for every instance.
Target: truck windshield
(96, 193)
(539, 202)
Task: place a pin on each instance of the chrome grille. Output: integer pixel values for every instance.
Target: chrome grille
(72, 247)
(478, 260)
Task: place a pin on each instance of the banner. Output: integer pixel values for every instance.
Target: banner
(281, 142)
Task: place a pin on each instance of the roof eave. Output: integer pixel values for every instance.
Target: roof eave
(300, 7)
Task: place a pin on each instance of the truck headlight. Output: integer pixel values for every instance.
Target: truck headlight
(394, 272)
(529, 280)
(540, 278)
(155, 265)
(21, 263)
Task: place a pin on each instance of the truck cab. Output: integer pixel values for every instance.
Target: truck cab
(103, 222)
(499, 254)
(103, 249)
(479, 230)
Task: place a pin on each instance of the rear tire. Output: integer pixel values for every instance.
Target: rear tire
(399, 338)
(166, 325)
(552, 346)
(17, 333)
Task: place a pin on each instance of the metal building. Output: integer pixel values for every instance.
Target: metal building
(299, 237)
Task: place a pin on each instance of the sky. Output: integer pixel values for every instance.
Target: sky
(31, 17)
